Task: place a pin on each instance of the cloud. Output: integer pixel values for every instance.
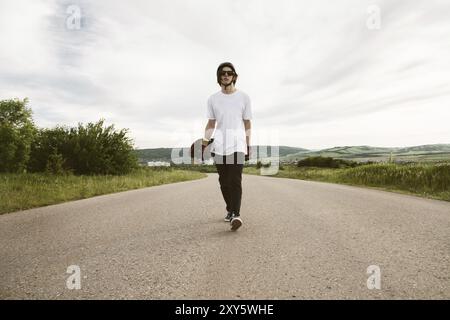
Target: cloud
(150, 66)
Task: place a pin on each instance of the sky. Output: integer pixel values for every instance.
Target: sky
(319, 73)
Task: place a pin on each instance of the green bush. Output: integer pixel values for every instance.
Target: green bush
(90, 149)
(326, 162)
(56, 165)
(16, 134)
(259, 164)
(48, 142)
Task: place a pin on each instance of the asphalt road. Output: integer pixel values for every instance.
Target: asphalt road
(300, 239)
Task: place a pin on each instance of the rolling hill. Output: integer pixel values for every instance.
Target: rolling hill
(429, 152)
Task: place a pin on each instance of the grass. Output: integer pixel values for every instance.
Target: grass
(431, 180)
(29, 190)
(25, 191)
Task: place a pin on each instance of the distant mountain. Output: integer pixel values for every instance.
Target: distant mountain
(429, 152)
(164, 154)
(156, 154)
(284, 150)
(426, 148)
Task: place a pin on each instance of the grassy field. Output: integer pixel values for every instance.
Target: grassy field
(431, 180)
(24, 191)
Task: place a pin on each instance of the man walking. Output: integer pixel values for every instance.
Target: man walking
(230, 109)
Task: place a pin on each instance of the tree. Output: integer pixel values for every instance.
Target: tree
(16, 134)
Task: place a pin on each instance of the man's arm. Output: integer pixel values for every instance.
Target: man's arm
(209, 129)
(248, 127)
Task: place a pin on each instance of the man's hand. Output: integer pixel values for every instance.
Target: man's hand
(205, 144)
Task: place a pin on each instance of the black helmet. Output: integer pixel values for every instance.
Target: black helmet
(223, 65)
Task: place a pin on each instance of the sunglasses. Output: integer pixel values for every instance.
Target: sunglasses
(228, 73)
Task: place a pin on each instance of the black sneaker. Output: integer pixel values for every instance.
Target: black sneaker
(236, 222)
(228, 217)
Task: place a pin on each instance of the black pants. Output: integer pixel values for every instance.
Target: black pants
(229, 167)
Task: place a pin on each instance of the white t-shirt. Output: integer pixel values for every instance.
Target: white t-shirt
(229, 110)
